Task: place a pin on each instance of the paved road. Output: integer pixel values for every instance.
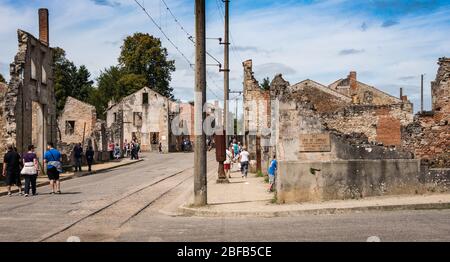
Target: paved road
(138, 203)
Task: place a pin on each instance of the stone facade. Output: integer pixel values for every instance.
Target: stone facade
(29, 106)
(76, 122)
(257, 116)
(345, 164)
(429, 135)
(144, 116)
(380, 123)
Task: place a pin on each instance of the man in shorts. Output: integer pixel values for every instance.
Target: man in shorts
(244, 158)
(54, 167)
(11, 169)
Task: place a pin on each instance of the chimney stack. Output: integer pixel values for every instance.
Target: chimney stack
(43, 26)
(353, 80)
(401, 93)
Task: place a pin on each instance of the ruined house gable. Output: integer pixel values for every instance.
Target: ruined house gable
(319, 96)
(362, 93)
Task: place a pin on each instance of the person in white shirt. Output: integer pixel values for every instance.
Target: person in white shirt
(227, 163)
(244, 157)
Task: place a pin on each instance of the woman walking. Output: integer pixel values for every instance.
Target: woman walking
(90, 157)
(11, 169)
(30, 171)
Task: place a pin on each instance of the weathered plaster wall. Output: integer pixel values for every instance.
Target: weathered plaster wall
(348, 179)
(142, 120)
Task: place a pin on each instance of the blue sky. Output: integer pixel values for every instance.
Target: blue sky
(389, 42)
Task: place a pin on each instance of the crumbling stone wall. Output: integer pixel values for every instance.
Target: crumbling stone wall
(31, 84)
(257, 116)
(440, 90)
(82, 115)
(321, 98)
(352, 166)
(3, 90)
(381, 124)
(429, 135)
(88, 130)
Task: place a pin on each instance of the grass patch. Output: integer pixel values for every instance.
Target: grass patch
(274, 199)
(259, 174)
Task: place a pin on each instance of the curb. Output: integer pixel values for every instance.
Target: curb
(188, 211)
(75, 175)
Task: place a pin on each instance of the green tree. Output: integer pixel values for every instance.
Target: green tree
(107, 89)
(2, 79)
(143, 54)
(266, 84)
(69, 80)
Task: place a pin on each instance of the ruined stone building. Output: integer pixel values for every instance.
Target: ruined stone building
(78, 123)
(347, 106)
(143, 115)
(182, 123)
(28, 106)
(349, 139)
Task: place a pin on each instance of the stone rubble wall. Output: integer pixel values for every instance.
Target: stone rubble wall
(429, 135)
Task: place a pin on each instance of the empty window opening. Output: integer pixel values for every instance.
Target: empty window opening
(137, 119)
(145, 98)
(70, 127)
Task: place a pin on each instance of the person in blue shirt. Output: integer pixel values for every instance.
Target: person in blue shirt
(52, 159)
(272, 173)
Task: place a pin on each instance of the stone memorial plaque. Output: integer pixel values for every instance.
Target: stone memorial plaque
(315, 143)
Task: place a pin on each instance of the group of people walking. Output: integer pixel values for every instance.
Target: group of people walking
(131, 149)
(16, 167)
(238, 154)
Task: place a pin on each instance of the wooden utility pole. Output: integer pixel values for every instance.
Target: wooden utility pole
(200, 182)
(421, 94)
(227, 66)
(222, 143)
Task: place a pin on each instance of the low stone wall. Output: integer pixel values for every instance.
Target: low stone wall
(347, 179)
(436, 179)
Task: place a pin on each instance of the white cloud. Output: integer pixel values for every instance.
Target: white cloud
(304, 41)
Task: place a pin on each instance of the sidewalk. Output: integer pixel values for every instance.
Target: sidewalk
(249, 198)
(43, 180)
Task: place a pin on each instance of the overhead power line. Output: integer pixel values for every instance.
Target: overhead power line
(233, 44)
(174, 45)
(164, 34)
(190, 37)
